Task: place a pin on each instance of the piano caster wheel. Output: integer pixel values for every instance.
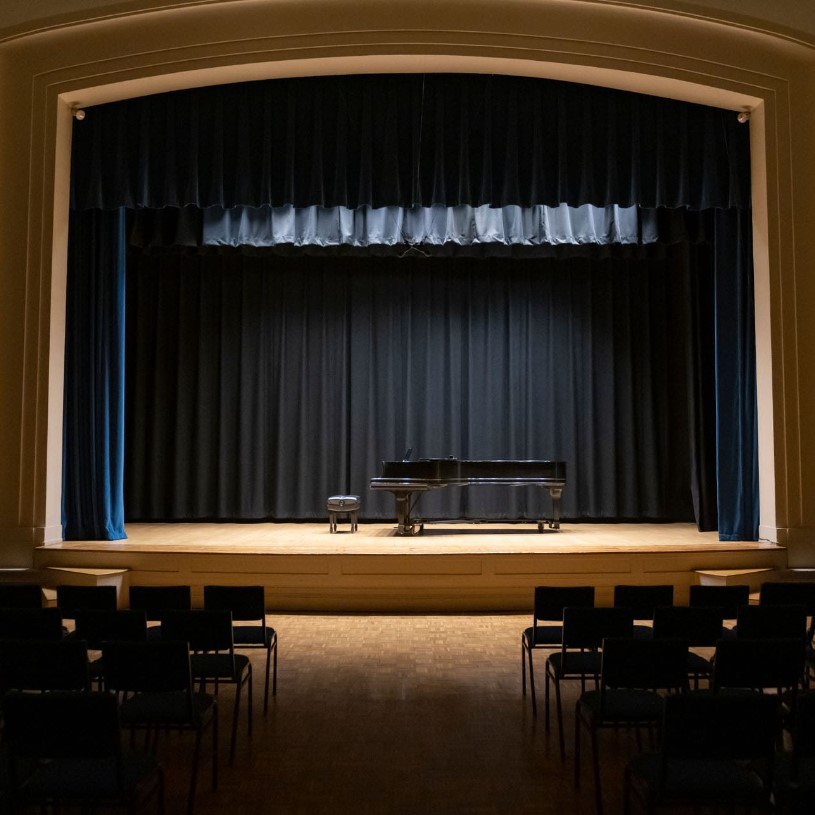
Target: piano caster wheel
(541, 526)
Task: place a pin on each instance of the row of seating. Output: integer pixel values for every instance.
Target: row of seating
(86, 607)
(639, 670)
(157, 659)
(154, 684)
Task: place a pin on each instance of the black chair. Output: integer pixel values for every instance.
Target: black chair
(579, 656)
(248, 607)
(798, 593)
(760, 665)
(154, 684)
(213, 658)
(794, 779)
(699, 627)
(96, 627)
(642, 600)
(44, 665)
(31, 624)
(20, 595)
(729, 598)
(633, 672)
(717, 750)
(155, 601)
(71, 599)
(66, 749)
(546, 631)
(772, 622)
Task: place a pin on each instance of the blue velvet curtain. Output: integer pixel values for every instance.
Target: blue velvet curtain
(94, 400)
(408, 141)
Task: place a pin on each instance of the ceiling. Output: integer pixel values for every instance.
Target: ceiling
(783, 16)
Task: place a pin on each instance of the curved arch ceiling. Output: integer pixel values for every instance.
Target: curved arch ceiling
(787, 17)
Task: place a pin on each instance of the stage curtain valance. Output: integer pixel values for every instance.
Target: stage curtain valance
(435, 226)
(408, 140)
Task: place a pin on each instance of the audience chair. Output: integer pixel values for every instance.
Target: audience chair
(729, 598)
(794, 779)
(213, 658)
(799, 593)
(20, 595)
(248, 607)
(772, 622)
(154, 684)
(71, 599)
(66, 749)
(31, 624)
(95, 627)
(579, 656)
(717, 750)
(155, 601)
(760, 665)
(633, 672)
(642, 600)
(44, 665)
(699, 627)
(547, 625)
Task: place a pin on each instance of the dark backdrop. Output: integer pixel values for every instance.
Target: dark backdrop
(259, 385)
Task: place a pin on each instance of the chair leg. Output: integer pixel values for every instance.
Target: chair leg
(546, 699)
(523, 668)
(274, 668)
(577, 722)
(532, 683)
(266, 684)
(235, 714)
(560, 720)
(595, 757)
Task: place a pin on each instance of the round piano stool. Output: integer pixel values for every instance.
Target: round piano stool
(339, 506)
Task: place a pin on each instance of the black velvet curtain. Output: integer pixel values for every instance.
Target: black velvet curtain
(259, 385)
(408, 140)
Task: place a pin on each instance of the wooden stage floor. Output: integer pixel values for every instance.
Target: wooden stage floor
(461, 566)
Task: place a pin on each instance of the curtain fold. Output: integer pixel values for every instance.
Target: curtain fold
(737, 415)
(94, 398)
(408, 140)
(260, 385)
(427, 226)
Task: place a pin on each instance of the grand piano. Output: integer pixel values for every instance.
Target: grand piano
(409, 480)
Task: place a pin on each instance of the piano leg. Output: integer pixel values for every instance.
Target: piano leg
(405, 525)
(555, 492)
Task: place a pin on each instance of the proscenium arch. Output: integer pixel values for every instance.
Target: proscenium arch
(571, 56)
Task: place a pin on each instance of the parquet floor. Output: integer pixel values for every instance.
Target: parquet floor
(397, 715)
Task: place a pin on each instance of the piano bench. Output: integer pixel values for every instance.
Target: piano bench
(339, 506)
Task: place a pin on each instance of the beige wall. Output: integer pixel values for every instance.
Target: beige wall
(42, 74)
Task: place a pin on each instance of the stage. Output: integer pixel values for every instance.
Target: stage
(451, 567)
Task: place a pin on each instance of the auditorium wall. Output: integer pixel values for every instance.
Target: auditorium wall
(50, 67)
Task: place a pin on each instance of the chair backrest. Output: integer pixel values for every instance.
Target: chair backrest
(20, 595)
(155, 600)
(802, 725)
(758, 664)
(588, 627)
(154, 666)
(44, 665)
(771, 622)
(642, 600)
(71, 599)
(31, 624)
(798, 593)
(245, 602)
(205, 630)
(62, 725)
(551, 600)
(699, 626)
(639, 663)
(96, 626)
(792, 593)
(715, 727)
(729, 598)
